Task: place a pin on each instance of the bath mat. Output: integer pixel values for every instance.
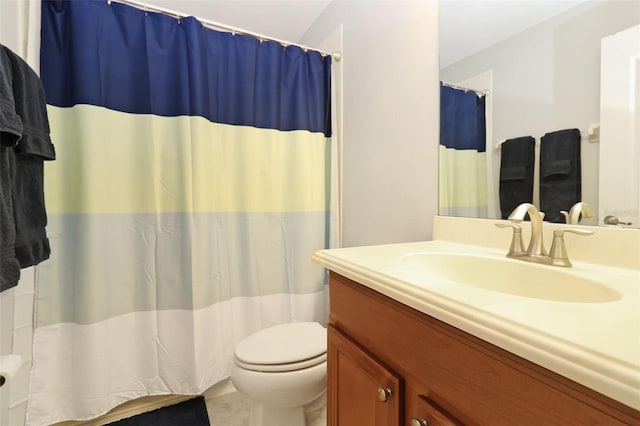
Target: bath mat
(189, 413)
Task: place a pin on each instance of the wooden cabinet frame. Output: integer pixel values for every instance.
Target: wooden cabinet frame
(469, 380)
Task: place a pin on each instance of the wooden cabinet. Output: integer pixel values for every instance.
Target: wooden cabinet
(366, 392)
(439, 375)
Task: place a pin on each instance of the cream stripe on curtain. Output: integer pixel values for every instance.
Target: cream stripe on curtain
(192, 187)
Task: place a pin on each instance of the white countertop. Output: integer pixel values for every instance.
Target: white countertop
(595, 344)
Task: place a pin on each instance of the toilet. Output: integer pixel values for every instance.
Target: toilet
(283, 371)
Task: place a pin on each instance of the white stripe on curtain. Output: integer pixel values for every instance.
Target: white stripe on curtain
(121, 357)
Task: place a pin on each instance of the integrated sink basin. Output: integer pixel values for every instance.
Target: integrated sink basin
(508, 276)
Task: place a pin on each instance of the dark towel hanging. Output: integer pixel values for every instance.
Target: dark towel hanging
(560, 173)
(517, 158)
(9, 266)
(10, 133)
(29, 215)
(10, 122)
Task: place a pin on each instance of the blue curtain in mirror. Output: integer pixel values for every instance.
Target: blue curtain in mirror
(462, 168)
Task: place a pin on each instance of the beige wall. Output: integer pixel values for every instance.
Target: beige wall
(391, 117)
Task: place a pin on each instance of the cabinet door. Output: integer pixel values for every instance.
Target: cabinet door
(361, 391)
(429, 414)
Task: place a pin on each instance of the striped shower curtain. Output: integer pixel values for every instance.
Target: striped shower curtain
(191, 188)
(462, 157)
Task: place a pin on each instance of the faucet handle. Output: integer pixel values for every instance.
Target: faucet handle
(558, 252)
(517, 246)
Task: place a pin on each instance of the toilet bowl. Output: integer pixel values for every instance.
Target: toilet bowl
(282, 370)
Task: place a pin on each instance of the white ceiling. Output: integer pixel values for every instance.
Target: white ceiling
(466, 26)
(286, 20)
(469, 26)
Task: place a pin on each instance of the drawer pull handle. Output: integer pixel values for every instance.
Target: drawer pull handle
(419, 422)
(384, 394)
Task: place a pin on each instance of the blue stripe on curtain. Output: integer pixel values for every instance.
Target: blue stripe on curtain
(201, 65)
(462, 119)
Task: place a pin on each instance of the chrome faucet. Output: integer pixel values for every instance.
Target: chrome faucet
(579, 210)
(535, 251)
(536, 245)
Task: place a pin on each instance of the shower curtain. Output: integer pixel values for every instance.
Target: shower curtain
(192, 187)
(462, 158)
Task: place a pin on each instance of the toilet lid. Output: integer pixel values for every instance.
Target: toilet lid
(283, 344)
(280, 368)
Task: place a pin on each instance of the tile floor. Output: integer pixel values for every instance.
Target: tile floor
(233, 410)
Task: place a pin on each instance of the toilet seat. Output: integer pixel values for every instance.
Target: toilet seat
(284, 347)
(281, 368)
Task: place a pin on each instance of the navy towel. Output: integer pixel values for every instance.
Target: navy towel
(517, 158)
(560, 173)
(29, 215)
(10, 133)
(9, 266)
(10, 122)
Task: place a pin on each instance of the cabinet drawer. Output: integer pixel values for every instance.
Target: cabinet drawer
(429, 414)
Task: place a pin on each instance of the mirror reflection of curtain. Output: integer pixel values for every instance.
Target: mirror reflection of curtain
(462, 168)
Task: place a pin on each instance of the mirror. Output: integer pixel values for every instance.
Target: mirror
(539, 64)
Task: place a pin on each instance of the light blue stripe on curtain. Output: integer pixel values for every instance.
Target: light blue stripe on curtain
(191, 191)
(193, 271)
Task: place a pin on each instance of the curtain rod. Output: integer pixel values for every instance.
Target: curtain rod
(216, 25)
(466, 89)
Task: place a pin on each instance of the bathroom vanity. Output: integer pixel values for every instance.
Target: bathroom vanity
(411, 347)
